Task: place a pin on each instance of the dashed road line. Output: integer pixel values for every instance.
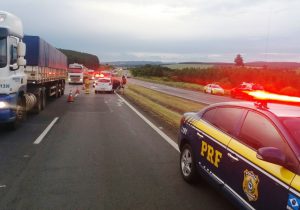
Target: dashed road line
(42, 136)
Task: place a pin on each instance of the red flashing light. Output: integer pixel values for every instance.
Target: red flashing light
(263, 95)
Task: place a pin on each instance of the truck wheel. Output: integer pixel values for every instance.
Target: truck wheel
(20, 115)
(57, 91)
(44, 99)
(187, 164)
(63, 89)
(39, 103)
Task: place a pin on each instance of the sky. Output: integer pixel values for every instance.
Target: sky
(166, 30)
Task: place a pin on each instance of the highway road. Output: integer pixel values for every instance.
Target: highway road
(179, 92)
(99, 154)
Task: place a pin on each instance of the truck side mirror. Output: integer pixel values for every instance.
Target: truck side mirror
(21, 61)
(21, 49)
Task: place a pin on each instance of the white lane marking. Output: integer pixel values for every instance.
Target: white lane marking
(162, 134)
(42, 136)
(2, 186)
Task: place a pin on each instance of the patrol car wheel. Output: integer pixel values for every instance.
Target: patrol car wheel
(187, 164)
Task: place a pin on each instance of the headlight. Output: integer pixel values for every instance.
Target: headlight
(3, 105)
(80, 79)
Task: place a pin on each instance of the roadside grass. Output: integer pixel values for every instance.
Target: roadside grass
(183, 85)
(167, 81)
(165, 107)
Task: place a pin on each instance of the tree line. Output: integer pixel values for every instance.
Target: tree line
(88, 60)
(284, 81)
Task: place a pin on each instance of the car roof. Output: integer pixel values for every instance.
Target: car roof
(280, 110)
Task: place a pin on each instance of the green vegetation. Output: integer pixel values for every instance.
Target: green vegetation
(150, 70)
(181, 66)
(88, 60)
(166, 107)
(276, 81)
(172, 83)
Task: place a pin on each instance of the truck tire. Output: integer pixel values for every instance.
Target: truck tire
(39, 103)
(20, 114)
(44, 98)
(63, 89)
(57, 91)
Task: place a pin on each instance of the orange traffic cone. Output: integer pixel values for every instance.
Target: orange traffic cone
(70, 97)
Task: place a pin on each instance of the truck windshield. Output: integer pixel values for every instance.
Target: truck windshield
(3, 52)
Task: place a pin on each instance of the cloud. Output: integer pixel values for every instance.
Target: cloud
(164, 29)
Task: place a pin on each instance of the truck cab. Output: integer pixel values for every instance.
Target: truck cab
(12, 76)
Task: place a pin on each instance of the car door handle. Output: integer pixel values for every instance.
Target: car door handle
(232, 157)
(200, 135)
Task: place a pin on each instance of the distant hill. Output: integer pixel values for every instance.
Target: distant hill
(133, 63)
(88, 60)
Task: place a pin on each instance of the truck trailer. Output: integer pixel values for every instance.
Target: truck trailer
(30, 71)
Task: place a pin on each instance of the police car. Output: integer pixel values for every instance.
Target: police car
(250, 150)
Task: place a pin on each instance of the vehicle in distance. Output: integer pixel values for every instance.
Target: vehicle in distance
(104, 85)
(241, 90)
(248, 150)
(77, 73)
(102, 74)
(213, 89)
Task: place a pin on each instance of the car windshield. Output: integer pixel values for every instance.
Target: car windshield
(292, 126)
(3, 52)
(215, 86)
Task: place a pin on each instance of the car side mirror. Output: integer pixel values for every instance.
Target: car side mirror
(272, 155)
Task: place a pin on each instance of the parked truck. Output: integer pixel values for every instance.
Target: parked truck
(30, 71)
(77, 73)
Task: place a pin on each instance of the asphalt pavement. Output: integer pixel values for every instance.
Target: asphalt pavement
(98, 155)
(183, 93)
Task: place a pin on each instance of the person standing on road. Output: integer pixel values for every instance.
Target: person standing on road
(123, 82)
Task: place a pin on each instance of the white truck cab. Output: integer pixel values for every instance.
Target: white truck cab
(12, 52)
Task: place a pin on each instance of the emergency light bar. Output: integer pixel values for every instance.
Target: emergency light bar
(263, 95)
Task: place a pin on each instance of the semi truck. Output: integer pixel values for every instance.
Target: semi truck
(77, 73)
(30, 71)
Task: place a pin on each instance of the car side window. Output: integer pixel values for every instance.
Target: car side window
(208, 116)
(225, 118)
(257, 131)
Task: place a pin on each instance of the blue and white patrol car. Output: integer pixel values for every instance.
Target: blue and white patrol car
(250, 150)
